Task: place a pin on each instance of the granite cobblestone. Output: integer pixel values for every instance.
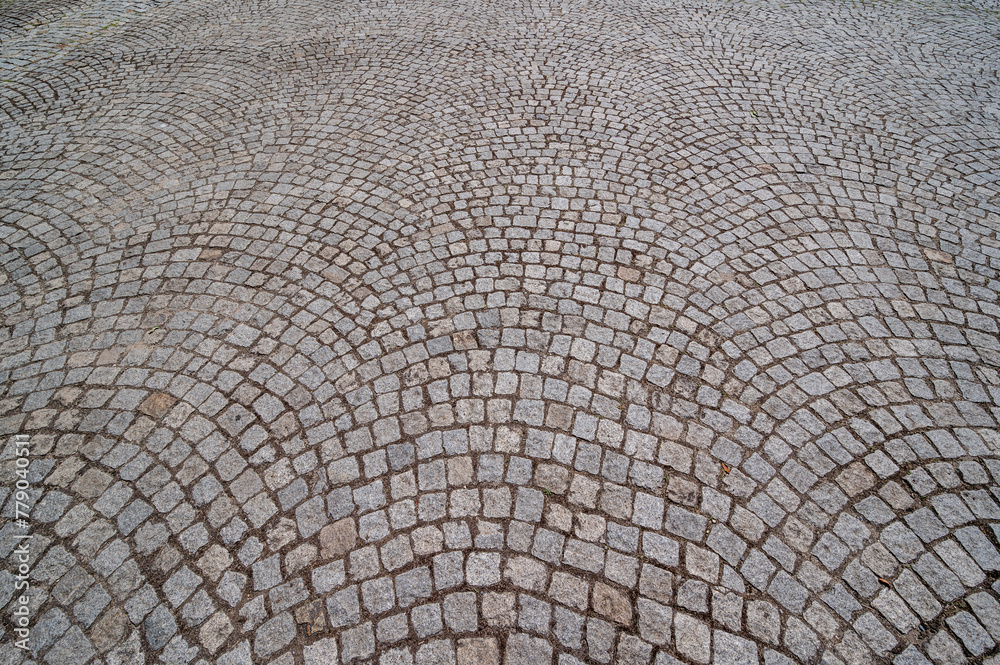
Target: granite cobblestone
(454, 333)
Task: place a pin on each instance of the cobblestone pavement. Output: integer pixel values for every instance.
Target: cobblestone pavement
(447, 332)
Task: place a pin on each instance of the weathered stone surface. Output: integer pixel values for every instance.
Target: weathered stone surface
(454, 332)
(611, 603)
(338, 538)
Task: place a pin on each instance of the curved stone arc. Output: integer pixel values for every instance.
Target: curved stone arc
(45, 224)
(971, 217)
(444, 165)
(169, 326)
(604, 26)
(871, 570)
(515, 573)
(19, 277)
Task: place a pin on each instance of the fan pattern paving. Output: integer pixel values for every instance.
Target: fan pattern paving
(449, 332)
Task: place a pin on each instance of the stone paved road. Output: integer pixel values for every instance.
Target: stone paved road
(447, 332)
